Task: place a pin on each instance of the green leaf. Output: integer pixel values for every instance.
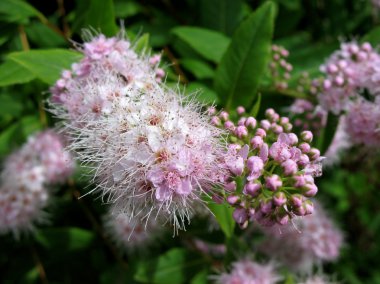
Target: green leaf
(17, 133)
(239, 73)
(373, 37)
(46, 65)
(256, 107)
(200, 277)
(42, 36)
(142, 44)
(198, 68)
(66, 239)
(221, 15)
(210, 44)
(168, 268)
(96, 14)
(125, 9)
(327, 133)
(13, 73)
(223, 214)
(203, 94)
(18, 11)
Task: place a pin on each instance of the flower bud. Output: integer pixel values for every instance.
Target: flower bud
(257, 142)
(232, 199)
(310, 189)
(296, 200)
(307, 136)
(290, 167)
(304, 147)
(251, 122)
(240, 110)
(231, 186)
(279, 199)
(252, 189)
(273, 182)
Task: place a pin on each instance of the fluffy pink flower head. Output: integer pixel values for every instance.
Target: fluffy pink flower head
(271, 164)
(26, 175)
(153, 151)
(245, 271)
(311, 240)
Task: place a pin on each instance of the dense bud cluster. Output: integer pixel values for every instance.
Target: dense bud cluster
(310, 240)
(279, 67)
(42, 161)
(153, 153)
(272, 169)
(246, 271)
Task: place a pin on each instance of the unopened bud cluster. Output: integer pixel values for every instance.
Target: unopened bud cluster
(26, 174)
(272, 169)
(279, 67)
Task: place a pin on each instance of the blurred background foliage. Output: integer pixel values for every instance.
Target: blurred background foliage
(36, 43)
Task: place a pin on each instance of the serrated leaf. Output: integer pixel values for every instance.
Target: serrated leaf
(244, 63)
(200, 69)
(46, 65)
(18, 11)
(223, 214)
(210, 44)
(13, 73)
(67, 239)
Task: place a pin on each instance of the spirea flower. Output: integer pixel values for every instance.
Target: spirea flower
(26, 175)
(246, 271)
(349, 71)
(153, 152)
(275, 167)
(363, 123)
(130, 234)
(310, 240)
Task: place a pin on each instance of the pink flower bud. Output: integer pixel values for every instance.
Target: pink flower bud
(229, 125)
(293, 139)
(327, 84)
(215, 121)
(279, 199)
(273, 182)
(255, 165)
(242, 121)
(265, 124)
(284, 120)
(303, 160)
(240, 110)
(307, 136)
(231, 186)
(304, 147)
(296, 200)
(282, 220)
(314, 154)
(240, 215)
(266, 206)
(251, 122)
(290, 167)
(310, 189)
(257, 142)
(252, 188)
(232, 199)
(241, 131)
(224, 115)
(211, 110)
(309, 207)
(261, 132)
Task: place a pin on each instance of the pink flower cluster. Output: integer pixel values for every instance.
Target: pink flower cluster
(152, 151)
(352, 85)
(274, 167)
(245, 271)
(42, 161)
(349, 71)
(310, 240)
(279, 68)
